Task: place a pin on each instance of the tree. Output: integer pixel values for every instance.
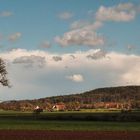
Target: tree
(3, 72)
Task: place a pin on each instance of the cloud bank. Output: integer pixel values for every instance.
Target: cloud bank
(34, 74)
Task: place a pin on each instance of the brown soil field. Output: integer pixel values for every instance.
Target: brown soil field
(67, 135)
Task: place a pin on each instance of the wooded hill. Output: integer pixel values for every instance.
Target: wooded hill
(90, 99)
(111, 94)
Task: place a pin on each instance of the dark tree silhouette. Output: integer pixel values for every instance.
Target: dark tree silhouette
(3, 72)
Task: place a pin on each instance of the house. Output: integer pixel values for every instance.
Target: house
(111, 105)
(37, 110)
(99, 105)
(37, 107)
(59, 107)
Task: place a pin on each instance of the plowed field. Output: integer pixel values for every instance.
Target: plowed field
(68, 135)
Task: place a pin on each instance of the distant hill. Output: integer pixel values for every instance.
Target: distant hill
(123, 94)
(110, 94)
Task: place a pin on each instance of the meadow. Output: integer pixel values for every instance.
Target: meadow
(82, 120)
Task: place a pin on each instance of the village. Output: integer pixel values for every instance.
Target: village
(77, 107)
(70, 106)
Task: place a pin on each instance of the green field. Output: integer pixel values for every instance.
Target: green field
(69, 125)
(69, 121)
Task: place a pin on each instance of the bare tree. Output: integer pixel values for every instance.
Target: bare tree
(3, 72)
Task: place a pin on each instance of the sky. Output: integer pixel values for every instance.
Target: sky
(59, 47)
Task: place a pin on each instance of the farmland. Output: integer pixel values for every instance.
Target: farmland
(109, 117)
(67, 135)
(85, 121)
(69, 125)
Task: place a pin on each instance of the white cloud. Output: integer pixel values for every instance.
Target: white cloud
(132, 75)
(119, 70)
(126, 6)
(76, 77)
(87, 25)
(122, 12)
(6, 14)
(82, 33)
(57, 58)
(97, 55)
(65, 15)
(15, 36)
(30, 61)
(79, 24)
(72, 56)
(81, 37)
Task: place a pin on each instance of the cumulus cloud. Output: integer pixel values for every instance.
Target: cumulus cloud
(65, 15)
(97, 55)
(81, 37)
(88, 25)
(72, 56)
(123, 12)
(79, 24)
(57, 58)
(30, 61)
(15, 36)
(6, 14)
(76, 77)
(82, 33)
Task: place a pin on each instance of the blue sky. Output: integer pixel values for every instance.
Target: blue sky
(68, 44)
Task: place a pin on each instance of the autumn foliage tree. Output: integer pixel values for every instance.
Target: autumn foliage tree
(3, 72)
